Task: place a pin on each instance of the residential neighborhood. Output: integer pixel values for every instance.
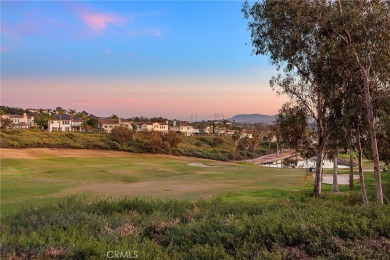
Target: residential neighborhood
(18, 121)
(62, 120)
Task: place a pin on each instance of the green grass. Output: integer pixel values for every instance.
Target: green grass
(177, 211)
(35, 180)
(47, 177)
(367, 164)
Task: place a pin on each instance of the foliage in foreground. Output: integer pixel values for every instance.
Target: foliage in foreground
(327, 227)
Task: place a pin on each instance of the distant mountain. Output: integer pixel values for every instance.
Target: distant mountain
(253, 118)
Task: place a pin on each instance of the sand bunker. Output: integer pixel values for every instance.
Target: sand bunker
(201, 165)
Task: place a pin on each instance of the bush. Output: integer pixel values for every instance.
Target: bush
(203, 230)
(172, 139)
(121, 135)
(217, 141)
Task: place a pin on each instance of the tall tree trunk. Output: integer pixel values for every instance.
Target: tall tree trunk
(320, 147)
(319, 168)
(335, 186)
(374, 145)
(351, 181)
(361, 176)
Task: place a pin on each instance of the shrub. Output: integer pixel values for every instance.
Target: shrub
(212, 229)
(172, 139)
(217, 141)
(151, 140)
(121, 135)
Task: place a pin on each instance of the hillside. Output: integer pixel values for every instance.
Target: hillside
(253, 118)
(216, 148)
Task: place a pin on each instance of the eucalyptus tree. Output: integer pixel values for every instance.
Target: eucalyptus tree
(291, 33)
(245, 143)
(382, 115)
(356, 122)
(313, 42)
(293, 126)
(363, 28)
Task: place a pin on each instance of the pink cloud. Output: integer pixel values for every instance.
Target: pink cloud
(96, 21)
(99, 21)
(3, 49)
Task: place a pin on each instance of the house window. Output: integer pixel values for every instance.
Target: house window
(67, 129)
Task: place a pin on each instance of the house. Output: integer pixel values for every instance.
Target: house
(161, 127)
(247, 133)
(230, 132)
(139, 126)
(20, 121)
(107, 124)
(65, 123)
(195, 131)
(146, 126)
(207, 130)
(182, 127)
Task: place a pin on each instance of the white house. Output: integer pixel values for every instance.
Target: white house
(20, 121)
(107, 124)
(161, 127)
(247, 133)
(182, 127)
(65, 123)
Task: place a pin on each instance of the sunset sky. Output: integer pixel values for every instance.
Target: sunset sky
(171, 59)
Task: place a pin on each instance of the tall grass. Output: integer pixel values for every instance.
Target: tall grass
(77, 228)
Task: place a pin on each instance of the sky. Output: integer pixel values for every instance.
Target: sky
(133, 58)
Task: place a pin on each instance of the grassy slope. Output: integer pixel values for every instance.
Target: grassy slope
(202, 147)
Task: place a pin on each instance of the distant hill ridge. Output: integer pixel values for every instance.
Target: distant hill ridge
(253, 118)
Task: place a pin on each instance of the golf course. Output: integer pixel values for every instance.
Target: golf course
(87, 204)
(32, 177)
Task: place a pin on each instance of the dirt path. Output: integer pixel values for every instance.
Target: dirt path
(34, 153)
(343, 179)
